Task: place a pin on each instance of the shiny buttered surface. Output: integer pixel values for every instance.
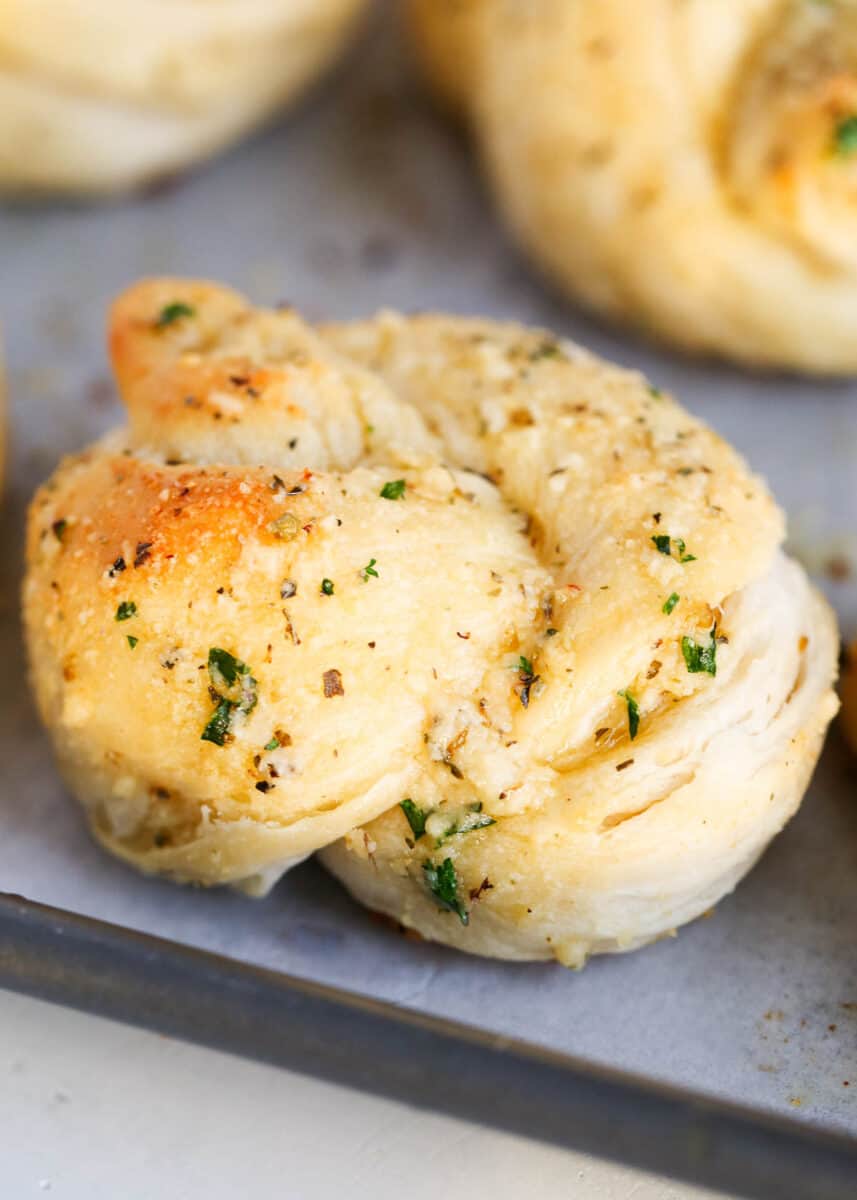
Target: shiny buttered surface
(497, 626)
(688, 167)
(101, 95)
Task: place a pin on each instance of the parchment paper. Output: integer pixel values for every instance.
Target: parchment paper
(364, 199)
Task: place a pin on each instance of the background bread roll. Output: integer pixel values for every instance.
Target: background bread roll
(98, 96)
(450, 563)
(690, 168)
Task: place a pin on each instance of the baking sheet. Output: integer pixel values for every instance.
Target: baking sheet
(365, 199)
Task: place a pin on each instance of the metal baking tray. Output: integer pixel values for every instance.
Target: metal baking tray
(727, 1055)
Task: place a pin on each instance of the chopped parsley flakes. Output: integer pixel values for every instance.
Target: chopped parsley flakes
(327, 587)
(670, 603)
(416, 817)
(59, 527)
(224, 669)
(473, 818)
(443, 884)
(171, 313)
(845, 136)
(132, 641)
(393, 489)
(442, 826)
(235, 689)
(126, 610)
(369, 569)
(274, 744)
(219, 723)
(527, 678)
(681, 548)
(664, 545)
(548, 348)
(633, 713)
(701, 658)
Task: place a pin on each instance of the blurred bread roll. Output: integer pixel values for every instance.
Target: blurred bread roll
(688, 168)
(497, 626)
(98, 96)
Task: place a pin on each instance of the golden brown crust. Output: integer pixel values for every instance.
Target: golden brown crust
(232, 381)
(689, 168)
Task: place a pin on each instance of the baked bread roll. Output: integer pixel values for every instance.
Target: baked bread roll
(499, 625)
(98, 96)
(690, 168)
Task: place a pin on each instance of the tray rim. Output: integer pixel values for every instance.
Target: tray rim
(346, 1038)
